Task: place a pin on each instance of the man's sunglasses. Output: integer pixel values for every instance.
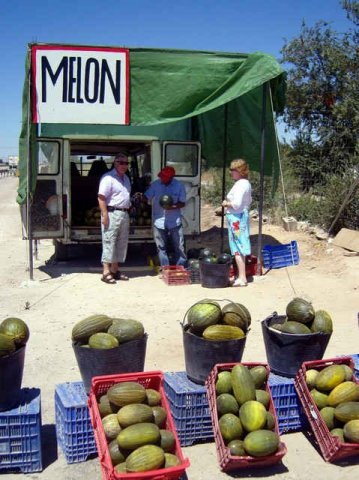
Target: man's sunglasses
(121, 162)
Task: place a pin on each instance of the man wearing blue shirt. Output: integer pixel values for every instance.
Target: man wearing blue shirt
(167, 224)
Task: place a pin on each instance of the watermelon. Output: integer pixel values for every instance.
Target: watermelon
(166, 201)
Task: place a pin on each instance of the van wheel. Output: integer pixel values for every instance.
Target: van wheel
(61, 251)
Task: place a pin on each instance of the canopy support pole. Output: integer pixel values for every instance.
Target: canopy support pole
(224, 170)
(261, 178)
(29, 181)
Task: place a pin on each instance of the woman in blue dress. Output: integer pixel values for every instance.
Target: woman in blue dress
(237, 205)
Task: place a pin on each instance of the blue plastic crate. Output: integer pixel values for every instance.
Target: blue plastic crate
(73, 425)
(188, 402)
(193, 430)
(20, 435)
(279, 256)
(193, 423)
(186, 398)
(287, 404)
(355, 357)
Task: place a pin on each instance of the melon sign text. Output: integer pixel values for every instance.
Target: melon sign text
(80, 84)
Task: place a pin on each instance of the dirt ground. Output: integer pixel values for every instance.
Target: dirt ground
(63, 293)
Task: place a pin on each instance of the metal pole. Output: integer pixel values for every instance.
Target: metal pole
(224, 169)
(261, 179)
(29, 177)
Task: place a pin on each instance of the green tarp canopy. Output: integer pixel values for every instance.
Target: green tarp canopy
(212, 97)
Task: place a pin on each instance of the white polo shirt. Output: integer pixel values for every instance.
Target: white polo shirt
(115, 189)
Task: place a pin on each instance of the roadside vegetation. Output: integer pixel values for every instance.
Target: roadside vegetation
(321, 165)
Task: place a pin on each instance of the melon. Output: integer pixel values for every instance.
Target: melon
(322, 322)
(166, 201)
(16, 329)
(203, 314)
(300, 310)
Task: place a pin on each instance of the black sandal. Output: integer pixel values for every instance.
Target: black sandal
(108, 278)
(119, 276)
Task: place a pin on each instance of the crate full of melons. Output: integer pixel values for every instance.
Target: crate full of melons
(329, 393)
(244, 420)
(133, 427)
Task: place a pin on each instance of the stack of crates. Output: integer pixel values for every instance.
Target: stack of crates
(73, 426)
(20, 435)
(189, 407)
(175, 275)
(286, 403)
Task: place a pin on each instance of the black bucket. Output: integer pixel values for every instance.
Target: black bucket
(127, 358)
(202, 355)
(287, 351)
(11, 370)
(214, 275)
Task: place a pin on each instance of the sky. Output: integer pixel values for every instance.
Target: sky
(242, 26)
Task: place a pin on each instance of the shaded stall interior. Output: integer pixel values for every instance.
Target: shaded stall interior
(89, 161)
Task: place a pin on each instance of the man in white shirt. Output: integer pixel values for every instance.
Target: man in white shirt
(114, 202)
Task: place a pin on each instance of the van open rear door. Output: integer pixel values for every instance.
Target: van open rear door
(48, 207)
(185, 158)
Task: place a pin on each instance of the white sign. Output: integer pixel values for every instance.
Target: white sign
(80, 84)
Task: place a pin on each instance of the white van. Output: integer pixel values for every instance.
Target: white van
(65, 206)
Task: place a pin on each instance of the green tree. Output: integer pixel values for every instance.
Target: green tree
(323, 100)
(323, 109)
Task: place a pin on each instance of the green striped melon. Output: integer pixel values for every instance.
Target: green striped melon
(125, 393)
(16, 329)
(223, 332)
(126, 330)
(134, 413)
(230, 427)
(243, 384)
(295, 328)
(253, 415)
(237, 315)
(300, 310)
(145, 458)
(322, 322)
(261, 443)
(203, 314)
(83, 329)
(138, 435)
(103, 341)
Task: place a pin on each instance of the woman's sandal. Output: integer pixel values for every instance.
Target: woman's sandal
(239, 283)
(119, 276)
(108, 278)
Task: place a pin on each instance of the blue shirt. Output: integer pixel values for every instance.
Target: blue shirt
(166, 218)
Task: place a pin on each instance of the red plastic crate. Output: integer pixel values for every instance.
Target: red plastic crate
(176, 275)
(227, 461)
(154, 380)
(251, 267)
(330, 446)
